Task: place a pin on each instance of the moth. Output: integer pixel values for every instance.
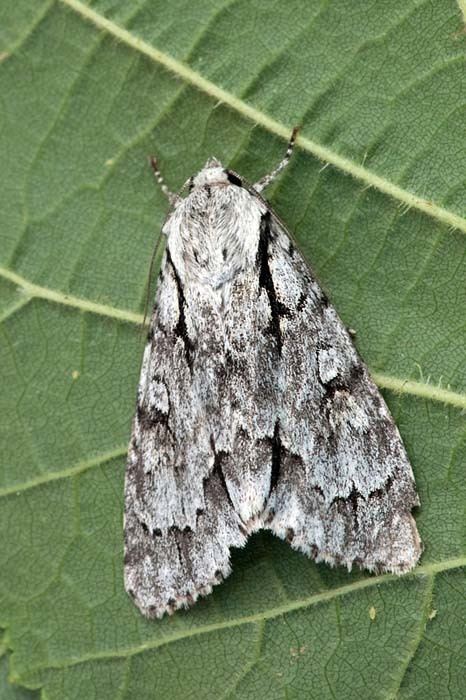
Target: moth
(254, 410)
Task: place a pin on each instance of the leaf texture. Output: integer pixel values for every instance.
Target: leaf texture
(375, 196)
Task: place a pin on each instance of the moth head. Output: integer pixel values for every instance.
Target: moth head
(213, 173)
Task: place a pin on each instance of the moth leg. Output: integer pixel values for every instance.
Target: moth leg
(270, 177)
(171, 196)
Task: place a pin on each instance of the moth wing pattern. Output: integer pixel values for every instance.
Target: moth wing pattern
(179, 519)
(199, 463)
(254, 411)
(345, 487)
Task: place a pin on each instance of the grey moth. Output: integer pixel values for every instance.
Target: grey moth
(254, 410)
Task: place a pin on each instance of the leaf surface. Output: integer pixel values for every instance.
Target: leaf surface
(375, 197)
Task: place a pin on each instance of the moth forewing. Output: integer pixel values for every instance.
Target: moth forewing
(254, 410)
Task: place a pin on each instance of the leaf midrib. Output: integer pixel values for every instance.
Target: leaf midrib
(427, 570)
(192, 77)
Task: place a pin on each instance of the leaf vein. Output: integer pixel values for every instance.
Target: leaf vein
(425, 570)
(416, 642)
(321, 152)
(35, 290)
(79, 468)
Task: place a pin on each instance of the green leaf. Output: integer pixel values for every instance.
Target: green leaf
(12, 692)
(375, 196)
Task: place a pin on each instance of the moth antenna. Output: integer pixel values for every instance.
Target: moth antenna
(149, 277)
(270, 177)
(171, 196)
